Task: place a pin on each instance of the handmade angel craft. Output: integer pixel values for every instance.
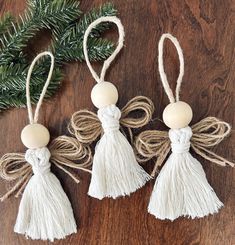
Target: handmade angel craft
(45, 211)
(181, 188)
(115, 171)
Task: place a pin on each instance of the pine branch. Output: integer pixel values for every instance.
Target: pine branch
(13, 77)
(68, 43)
(60, 17)
(41, 14)
(58, 13)
(77, 30)
(104, 10)
(17, 98)
(98, 49)
(5, 23)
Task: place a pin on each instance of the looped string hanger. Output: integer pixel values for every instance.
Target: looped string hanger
(161, 67)
(107, 63)
(34, 119)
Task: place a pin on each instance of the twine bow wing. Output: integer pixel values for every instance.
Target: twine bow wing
(86, 126)
(207, 133)
(64, 152)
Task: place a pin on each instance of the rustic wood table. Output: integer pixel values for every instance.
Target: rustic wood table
(206, 33)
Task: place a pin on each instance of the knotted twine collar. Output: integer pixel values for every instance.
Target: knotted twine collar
(180, 140)
(39, 160)
(109, 117)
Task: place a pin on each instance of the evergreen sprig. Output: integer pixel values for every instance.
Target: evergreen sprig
(64, 19)
(68, 43)
(40, 14)
(18, 98)
(5, 23)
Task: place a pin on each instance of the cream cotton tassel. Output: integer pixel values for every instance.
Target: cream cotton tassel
(181, 189)
(45, 211)
(115, 171)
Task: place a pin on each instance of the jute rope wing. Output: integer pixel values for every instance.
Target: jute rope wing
(66, 152)
(207, 133)
(86, 126)
(14, 168)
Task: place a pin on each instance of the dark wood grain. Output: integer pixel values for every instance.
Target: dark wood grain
(206, 33)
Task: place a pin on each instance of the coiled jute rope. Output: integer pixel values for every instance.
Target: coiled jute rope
(86, 126)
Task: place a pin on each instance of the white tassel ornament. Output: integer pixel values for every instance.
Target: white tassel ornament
(115, 171)
(45, 211)
(181, 189)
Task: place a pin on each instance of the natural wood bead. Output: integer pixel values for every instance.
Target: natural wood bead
(177, 115)
(104, 94)
(35, 136)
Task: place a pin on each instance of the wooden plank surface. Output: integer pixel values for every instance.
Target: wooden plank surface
(206, 33)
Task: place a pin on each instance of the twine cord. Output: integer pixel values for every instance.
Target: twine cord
(162, 73)
(34, 119)
(107, 62)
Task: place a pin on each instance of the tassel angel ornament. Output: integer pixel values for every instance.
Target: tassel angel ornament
(181, 188)
(45, 211)
(115, 171)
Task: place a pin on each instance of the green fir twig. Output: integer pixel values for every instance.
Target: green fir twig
(63, 18)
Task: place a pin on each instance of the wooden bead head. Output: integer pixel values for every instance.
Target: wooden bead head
(104, 94)
(35, 136)
(177, 115)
